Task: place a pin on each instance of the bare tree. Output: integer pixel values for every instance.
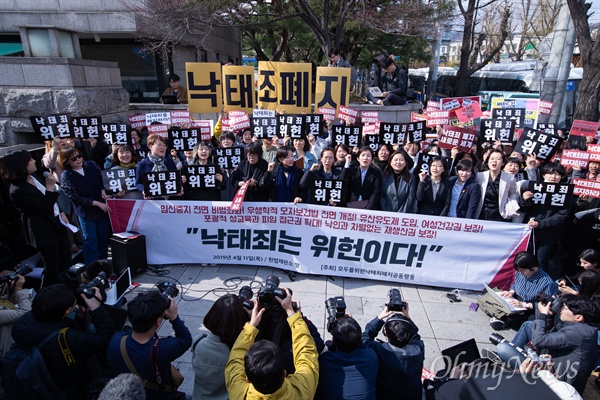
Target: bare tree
(472, 43)
(589, 88)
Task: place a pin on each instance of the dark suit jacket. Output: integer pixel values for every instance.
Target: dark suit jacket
(425, 203)
(370, 189)
(268, 183)
(468, 199)
(244, 172)
(42, 229)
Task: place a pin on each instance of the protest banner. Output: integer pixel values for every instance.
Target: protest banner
(200, 176)
(547, 128)
(183, 139)
(350, 135)
(137, 121)
(164, 183)
(205, 127)
(229, 157)
(347, 114)
(264, 127)
(205, 94)
(116, 133)
(454, 103)
(437, 117)
(494, 129)
(267, 86)
(332, 87)
(415, 117)
(461, 138)
(423, 160)
(369, 117)
(180, 118)
(516, 114)
(57, 125)
(294, 87)
(575, 158)
(586, 187)
(544, 146)
(594, 150)
(401, 133)
(584, 128)
(433, 105)
(313, 123)
(117, 180)
(371, 137)
(159, 129)
(238, 87)
(551, 194)
(86, 127)
(545, 107)
(238, 120)
(291, 125)
(469, 112)
(528, 118)
(328, 113)
(332, 241)
(160, 117)
(325, 190)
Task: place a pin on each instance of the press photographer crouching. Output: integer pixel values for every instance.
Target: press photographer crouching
(572, 341)
(347, 369)
(70, 352)
(401, 358)
(15, 302)
(273, 325)
(142, 352)
(256, 369)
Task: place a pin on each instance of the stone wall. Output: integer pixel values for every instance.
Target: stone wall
(44, 86)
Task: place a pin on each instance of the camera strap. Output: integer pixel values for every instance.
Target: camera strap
(129, 364)
(64, 347)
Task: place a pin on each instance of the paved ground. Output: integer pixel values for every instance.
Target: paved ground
(441, 323)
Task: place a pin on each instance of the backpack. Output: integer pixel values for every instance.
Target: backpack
(25, 375)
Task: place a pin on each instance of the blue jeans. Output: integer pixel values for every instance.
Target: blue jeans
(524, 334)
(95, 239)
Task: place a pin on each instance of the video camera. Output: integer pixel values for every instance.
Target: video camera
(23, 270)
(336, 308)
(395, 303)
(168, 289)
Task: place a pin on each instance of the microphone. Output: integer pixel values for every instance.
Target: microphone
(46, 174)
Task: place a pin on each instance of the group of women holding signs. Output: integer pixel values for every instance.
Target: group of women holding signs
(408, 179)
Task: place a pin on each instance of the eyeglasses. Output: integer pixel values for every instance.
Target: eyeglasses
(252, 155)
(75, 158)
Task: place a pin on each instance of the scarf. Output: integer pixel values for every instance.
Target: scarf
(130, 165)
(159, 163)
(284, 187)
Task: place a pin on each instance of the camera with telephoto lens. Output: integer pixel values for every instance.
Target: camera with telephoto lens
(87, 289)
(544, 298)
(168, 289)
(246, 296)
(13, 277)
(395, 303)
(270, 290)
(336, 308)
(513, 355)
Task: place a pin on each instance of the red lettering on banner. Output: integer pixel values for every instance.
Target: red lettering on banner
(469, 113)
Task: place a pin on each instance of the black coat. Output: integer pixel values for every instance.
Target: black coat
(267, 183)
(369, 190)
(244, 172)
(425, 203)
(42, 229)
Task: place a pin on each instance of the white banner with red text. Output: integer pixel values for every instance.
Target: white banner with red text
(403, 248)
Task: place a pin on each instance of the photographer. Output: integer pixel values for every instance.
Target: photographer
(139, 352)
(49, 312)
(572, 344)
(256, 370)
(348, 369)
(401, 359)
(17, 304)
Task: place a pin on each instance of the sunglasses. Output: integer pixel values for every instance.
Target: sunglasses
(75, 158)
